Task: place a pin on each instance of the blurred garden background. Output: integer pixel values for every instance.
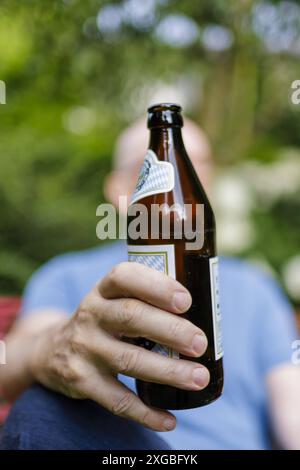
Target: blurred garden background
(77, 72)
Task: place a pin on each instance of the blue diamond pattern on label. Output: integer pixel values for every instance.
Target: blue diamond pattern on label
(155, 177)
(161, 258)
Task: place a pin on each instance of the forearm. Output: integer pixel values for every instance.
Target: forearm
(283, 384)
(287, 429)
(16, 375)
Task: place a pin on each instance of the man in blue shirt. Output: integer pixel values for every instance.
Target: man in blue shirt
(69, 340)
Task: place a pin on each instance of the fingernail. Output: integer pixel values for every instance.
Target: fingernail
(201, 376)
(169, 424)
(181, 301)
(199, 344)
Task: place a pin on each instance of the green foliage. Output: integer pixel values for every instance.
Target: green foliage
(56, 62)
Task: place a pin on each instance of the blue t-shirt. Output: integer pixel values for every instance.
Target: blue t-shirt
(258, 329)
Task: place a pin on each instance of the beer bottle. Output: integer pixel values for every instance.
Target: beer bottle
(168, 186)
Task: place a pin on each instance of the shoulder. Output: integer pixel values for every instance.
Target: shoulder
(250, 285)
(93, 262)
(85, 259)
(65, 279)
(245, 273)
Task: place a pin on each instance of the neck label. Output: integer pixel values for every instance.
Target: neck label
(155, 177)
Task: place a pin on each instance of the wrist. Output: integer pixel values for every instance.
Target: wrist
(26, 352)
(39, 365)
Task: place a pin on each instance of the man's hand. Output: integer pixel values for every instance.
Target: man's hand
(82, 356)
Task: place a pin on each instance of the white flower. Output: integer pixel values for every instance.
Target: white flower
(233, 195)
(79, 120)
(109, 19)
(177, 30)
(234, 234)
(217, 38)
(276, 179)
(291, 277)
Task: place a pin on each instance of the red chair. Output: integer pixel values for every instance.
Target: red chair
(9, 308)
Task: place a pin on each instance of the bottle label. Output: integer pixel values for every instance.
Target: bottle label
(161, 258)
(155, 177)
(216, 311)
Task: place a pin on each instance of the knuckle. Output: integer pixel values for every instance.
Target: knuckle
(64, 367)
(117, 273)
(77, 342)
(69, 372)
(176, 328)
(146, 418)
(83, 315)
(85, 311)
(127, 361)
(178, 374)
(129, 312)
(90, 309)
(122, 405)
(172, 372)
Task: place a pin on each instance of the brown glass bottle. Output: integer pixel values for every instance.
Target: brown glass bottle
(196, 269)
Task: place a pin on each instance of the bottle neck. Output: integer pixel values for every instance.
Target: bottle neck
(165, 141)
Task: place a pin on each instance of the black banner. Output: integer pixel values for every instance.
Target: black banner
(134, 459)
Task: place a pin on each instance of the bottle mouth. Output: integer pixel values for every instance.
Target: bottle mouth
(164, 107)
(164, 115)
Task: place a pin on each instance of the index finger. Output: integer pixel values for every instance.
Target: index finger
(130, 279)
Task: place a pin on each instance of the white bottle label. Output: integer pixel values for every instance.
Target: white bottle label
(161, 258)
(216, 311)
(155, 177)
